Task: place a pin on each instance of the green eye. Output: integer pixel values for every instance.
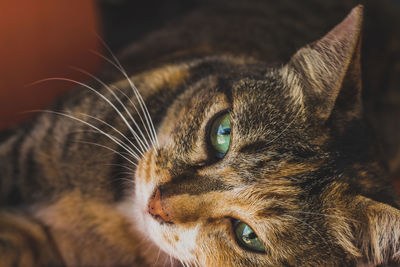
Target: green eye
(246, 237)
(220, 134)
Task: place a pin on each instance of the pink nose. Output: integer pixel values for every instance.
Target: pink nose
(156, 210)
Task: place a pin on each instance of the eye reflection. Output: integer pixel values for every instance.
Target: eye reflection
(220, 134)
(246, 236)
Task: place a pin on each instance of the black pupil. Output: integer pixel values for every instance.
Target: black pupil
(225, 131)
(251, 236)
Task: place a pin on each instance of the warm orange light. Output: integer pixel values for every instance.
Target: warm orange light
(41, 39)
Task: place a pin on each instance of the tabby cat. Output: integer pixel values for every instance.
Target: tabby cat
(219, 146)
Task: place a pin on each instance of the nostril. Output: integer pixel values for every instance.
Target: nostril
(156, 209)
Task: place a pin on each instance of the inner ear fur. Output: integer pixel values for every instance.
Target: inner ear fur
(331, 66)
(379, 236)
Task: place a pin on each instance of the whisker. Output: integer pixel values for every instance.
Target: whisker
(93, 90)
(123, 71)
(115, 129)
(134, 89)
(131, 170)
(143, 106)
(165, 261)
(93, 131)
(106, 147)
(143, 146)
(121, 154)
(158, 256)
(137, 112)
(126, 179)
(111, 137)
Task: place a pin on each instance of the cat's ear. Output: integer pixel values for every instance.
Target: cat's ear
(329, 69)
(380, 235)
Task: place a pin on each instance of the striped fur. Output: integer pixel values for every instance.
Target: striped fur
(303, 169)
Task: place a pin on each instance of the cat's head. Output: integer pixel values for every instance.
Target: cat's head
(269, 166)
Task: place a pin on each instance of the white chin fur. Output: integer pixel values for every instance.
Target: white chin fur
(162, 235)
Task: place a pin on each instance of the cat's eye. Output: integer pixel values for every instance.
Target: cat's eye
(220, 134)
(246, 237)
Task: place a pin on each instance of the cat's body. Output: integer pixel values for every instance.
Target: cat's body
(302, 170)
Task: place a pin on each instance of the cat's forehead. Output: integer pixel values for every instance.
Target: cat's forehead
(266, 124)
(256, 96)
(252, 90)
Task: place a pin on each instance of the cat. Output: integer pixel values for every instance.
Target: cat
(240, 140)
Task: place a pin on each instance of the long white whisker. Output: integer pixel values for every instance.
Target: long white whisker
(165, 261)
(144, 107)
(142, 145)
(93, 90)
(94, 131)
(127, 180)
(135, 90)
(128, 169)
(115, 129)
(158, 256)
(108, 148)
(138, 113)
(111, 137)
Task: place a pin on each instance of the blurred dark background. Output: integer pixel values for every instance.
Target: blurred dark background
(123, 21)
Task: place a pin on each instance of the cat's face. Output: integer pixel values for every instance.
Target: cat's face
(253, 178)
(245, 172)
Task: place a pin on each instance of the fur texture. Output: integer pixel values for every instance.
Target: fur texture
(303, 169)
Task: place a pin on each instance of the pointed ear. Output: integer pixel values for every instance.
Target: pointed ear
(331, 65)
(380, 237)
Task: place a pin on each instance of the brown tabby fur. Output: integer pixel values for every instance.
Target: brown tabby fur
(303, 169)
